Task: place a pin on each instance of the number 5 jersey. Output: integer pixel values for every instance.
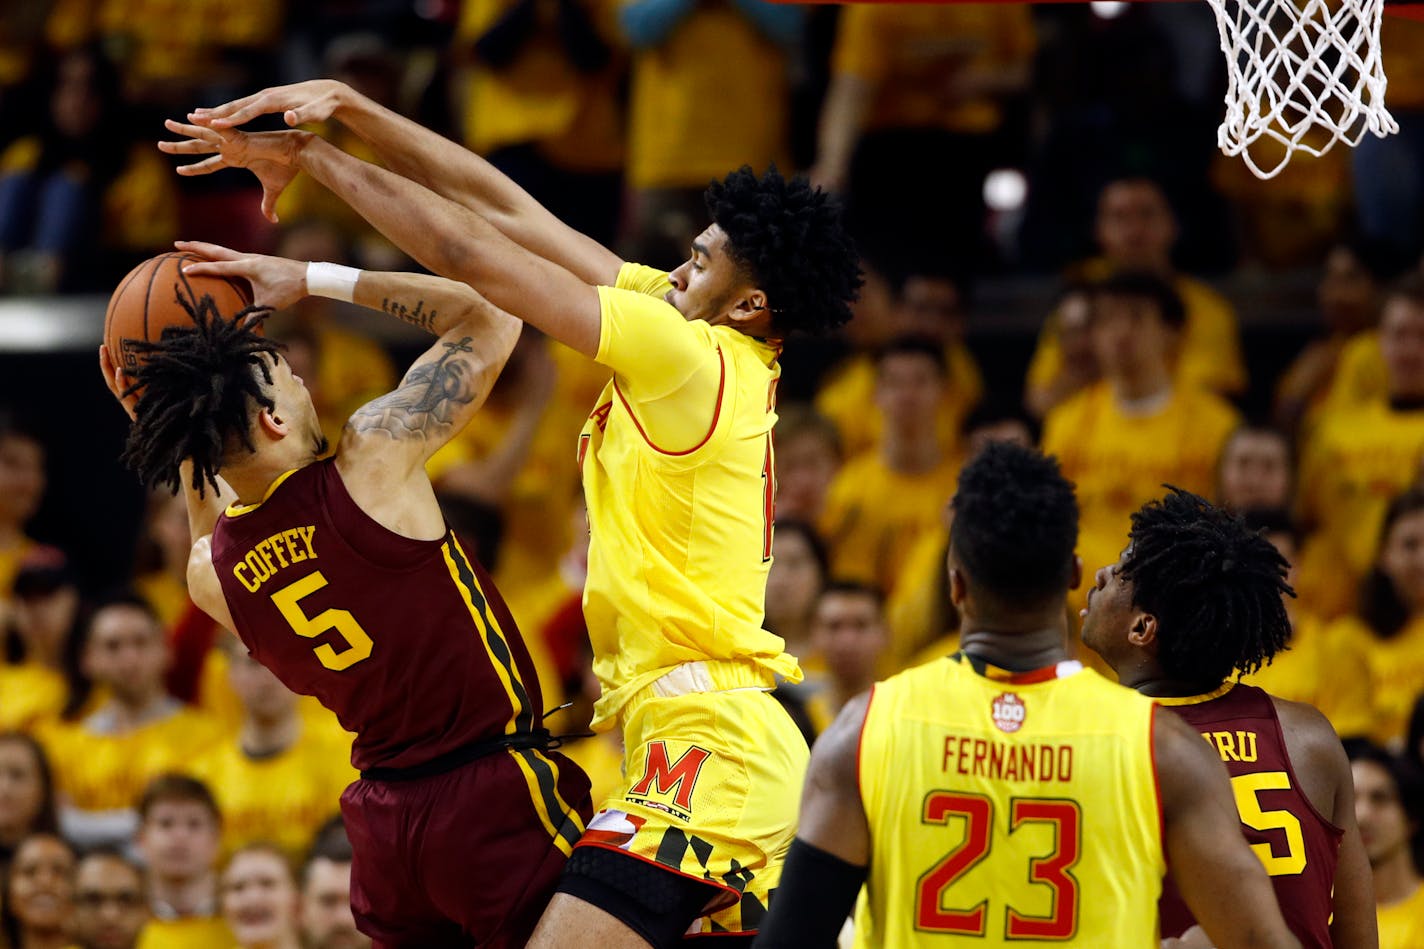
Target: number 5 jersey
(1298, 846)
(407, 641)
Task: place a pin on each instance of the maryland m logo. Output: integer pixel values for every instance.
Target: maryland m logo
(676, 779)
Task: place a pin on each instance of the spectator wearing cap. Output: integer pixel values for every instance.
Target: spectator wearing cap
(39, 669)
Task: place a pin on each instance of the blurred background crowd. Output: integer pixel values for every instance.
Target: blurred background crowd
(1055, 254)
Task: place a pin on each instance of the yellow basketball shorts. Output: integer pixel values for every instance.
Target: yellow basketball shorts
(711, 791)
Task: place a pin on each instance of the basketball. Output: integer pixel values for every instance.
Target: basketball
(156, 294)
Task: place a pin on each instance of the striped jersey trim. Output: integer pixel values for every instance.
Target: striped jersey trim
(496, 645)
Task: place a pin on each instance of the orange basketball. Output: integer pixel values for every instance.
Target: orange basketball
(152, 297)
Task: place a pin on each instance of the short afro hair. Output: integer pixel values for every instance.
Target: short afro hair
(1216, 587)
(1015, 527)
(790, 239)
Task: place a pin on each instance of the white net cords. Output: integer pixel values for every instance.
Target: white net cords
(1301, 73)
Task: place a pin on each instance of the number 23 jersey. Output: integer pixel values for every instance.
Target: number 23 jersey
(1009, 807)
(407, 641)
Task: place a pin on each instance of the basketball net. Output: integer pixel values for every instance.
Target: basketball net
(1306, 73)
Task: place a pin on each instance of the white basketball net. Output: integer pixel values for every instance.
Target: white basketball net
(1306, 73)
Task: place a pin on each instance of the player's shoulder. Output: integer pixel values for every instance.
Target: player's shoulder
(643, 279)
(1306, 729)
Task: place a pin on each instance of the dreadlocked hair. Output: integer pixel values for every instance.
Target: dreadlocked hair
(789, 238)
(197, 386)
(1015, 527)
(1216, 587)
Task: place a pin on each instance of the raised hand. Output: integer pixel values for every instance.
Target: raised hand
(271, 156)
(314, 101)
(276, 281)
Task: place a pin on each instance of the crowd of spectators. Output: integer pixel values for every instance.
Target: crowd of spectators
(156, 784)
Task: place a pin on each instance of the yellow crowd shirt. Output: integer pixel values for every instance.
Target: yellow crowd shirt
(1210, 352)
(874, 516)
(1119, 462)
(1322, 670)
(678, 476)
(1395, 670)
(848, 399)
(282, 799)
(1401, 925)
(540, 96)
(671, 142)
(916, 610)
(909, 54)
(193, 932)
(98, 770)
(29, 694)
(1005, 808)
(1357, 462)
(1361, 376)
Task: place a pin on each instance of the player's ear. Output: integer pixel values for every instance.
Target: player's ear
(1143, 631)
(1075, 580)
(958, 589)
(271, 423)
(750, 306)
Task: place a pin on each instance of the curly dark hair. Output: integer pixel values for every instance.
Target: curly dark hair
(789, 238)
(1015, 527)
(197, 388)
(1216, 587)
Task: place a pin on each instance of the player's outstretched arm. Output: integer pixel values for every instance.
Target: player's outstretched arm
(830, 857)
(431, 160)
(1221, 880)
(447, 238)
(441, 391)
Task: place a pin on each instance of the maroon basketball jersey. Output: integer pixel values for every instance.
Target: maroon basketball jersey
(407, 641)
(1298, 846)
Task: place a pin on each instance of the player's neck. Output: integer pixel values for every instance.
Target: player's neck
(1395, 879)
(1153, 683)
(264, 739)
(252, 480)
(183, 898)
(1018, 649)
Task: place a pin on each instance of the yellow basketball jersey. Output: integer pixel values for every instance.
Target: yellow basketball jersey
(1005, 808)
(680, 529)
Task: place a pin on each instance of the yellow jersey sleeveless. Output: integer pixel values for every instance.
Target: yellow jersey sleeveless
(678, 472)
(1005, 808)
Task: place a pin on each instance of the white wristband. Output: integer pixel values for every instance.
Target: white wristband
(331, 280)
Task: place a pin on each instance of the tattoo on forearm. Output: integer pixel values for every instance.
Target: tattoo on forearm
(428, 399)
(418, 316)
